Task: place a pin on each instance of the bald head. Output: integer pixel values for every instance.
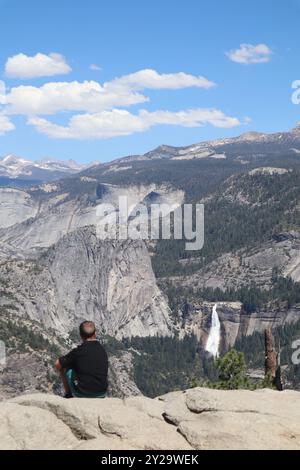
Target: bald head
(87, 330)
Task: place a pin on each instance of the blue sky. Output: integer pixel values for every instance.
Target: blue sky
(161, 38)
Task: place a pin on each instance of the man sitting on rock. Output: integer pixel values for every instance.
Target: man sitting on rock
(84, 369)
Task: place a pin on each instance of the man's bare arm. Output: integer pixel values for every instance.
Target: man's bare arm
(58, 365)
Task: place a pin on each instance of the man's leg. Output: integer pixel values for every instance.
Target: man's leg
(63, 375)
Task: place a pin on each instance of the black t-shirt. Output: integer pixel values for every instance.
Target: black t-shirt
(90, 364)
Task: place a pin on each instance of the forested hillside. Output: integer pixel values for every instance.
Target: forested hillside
(284, 292)
(245, 210)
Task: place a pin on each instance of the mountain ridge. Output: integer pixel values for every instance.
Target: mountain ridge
(209, 148)
(250, 144)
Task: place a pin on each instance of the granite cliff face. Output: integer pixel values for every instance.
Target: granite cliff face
(34, 219)
(58, 272)
(111, 283)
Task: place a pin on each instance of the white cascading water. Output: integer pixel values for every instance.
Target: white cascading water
(213, 341)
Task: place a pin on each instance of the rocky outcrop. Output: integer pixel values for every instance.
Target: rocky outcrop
(25, 373)
(121, 376)
(200, 419)
(247, 266)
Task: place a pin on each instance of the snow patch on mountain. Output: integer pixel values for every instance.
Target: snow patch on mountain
(268, 171)
(15, 167)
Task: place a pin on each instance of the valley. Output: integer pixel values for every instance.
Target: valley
(153, 296)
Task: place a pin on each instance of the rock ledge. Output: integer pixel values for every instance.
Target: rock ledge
(199, 419)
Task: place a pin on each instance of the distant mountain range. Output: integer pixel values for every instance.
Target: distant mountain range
(250, 143)
(249, 147)
(21, 172)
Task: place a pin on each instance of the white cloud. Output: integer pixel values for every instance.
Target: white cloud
(108, 124)
(191, 118)
(91, 96)
(92, 126)
(5, 125)
(54, 97)
(40, 65)
(149, 78)
(95, 67)
(250, 54)
(98, 106)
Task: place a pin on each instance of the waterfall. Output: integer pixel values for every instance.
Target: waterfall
(213, 341)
